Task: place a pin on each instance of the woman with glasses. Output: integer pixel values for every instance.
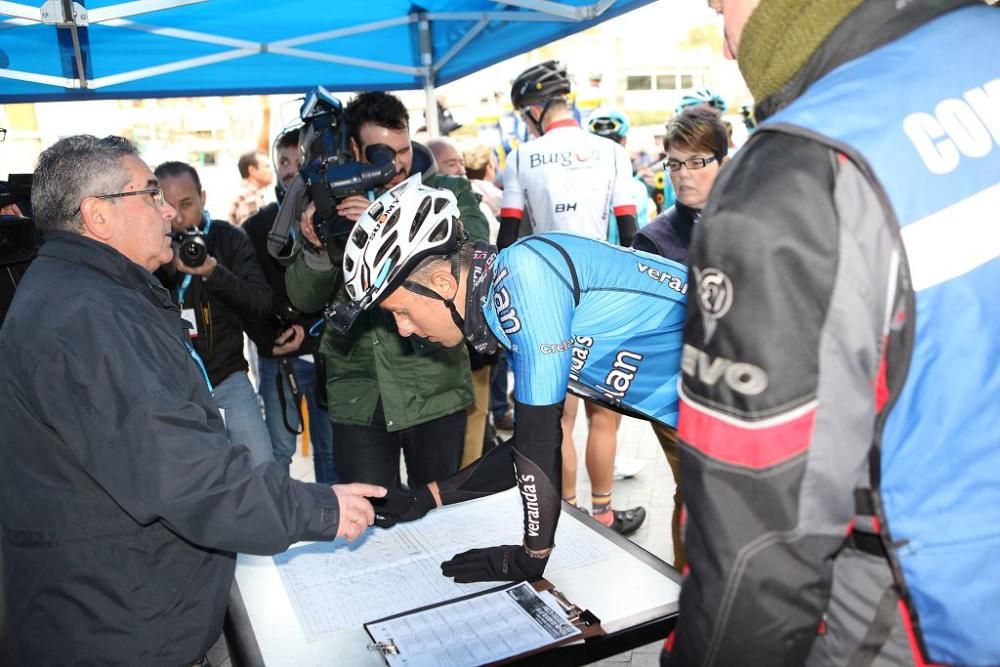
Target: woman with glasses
(696, 144)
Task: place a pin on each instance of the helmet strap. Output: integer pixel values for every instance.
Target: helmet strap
(422, 290)
(473, 326)
(537, 122)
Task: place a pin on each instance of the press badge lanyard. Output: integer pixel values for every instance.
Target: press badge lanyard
(201, 365)
(180, 298)
(187, 276)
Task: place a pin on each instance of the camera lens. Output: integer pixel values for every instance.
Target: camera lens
(193, 251)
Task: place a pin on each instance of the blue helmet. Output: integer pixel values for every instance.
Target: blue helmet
(608, 123)
(702, 96)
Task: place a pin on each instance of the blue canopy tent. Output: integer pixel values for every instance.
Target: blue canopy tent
(103, 49)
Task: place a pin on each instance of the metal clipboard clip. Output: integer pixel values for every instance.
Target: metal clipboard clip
(582, 618)
(573, 612)
(387, 647)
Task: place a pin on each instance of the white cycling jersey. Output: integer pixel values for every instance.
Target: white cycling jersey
(568, 180)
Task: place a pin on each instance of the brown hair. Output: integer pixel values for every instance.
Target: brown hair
(700, 129)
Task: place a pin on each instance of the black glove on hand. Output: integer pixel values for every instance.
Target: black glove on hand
(505, 563)
(400, 506)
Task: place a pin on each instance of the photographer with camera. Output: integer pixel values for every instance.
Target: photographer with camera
(290, 366)
(386, 393)
(218, 285)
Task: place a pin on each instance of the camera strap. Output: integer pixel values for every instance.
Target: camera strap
(286, 376)
(295, 201)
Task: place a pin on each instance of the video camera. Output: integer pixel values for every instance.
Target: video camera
(329, 173)
(18, 241)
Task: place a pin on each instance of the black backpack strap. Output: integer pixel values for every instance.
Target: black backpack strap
(878, 631)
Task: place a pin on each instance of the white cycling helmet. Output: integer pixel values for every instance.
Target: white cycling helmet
(402, 227)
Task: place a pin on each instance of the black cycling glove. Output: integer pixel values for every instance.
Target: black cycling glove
(400, 506)
(509, 562)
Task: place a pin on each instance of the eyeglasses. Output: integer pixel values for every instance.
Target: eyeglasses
(690, 163)
(155, 193)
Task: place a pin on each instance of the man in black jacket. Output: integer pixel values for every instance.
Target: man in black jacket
(121, 500)
(216, 298)
(288, 348)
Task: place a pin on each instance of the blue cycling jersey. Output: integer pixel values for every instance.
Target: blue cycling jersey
(604, 321)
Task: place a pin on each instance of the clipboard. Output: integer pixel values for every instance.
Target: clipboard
(472, 648)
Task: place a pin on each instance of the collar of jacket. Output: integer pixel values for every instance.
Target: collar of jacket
(690, 214)
(789, 44)
(100, 257)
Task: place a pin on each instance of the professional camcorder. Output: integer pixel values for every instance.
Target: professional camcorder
(329, 173)
(18, 241)
(192, 247)
(328, 166)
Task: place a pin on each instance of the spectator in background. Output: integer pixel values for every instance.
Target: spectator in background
(287, 346)
(121, 500)
(481, 169)
(566, 178)
(842, 487)
(449, 159)
(258, 175)
(387, 393)
(216, 298)
(696, 146)
(589, 97)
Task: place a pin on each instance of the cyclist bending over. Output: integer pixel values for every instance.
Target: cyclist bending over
(602, 321)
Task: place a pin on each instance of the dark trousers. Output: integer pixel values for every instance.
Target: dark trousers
(432, 451)
(668, 442)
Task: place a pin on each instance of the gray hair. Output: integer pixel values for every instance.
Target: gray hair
(72, 169)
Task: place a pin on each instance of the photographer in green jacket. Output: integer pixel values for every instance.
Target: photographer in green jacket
(387, 394)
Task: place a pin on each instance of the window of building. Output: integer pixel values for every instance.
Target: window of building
(666, 82)
(641, 82)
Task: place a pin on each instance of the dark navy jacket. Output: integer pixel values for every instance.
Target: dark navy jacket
(669, 233)
(121, 499)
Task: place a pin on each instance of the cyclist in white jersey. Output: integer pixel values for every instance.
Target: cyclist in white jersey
(570, 180)
(566, 179)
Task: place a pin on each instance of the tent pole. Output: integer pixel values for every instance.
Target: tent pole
(427, 63)
(69, 18)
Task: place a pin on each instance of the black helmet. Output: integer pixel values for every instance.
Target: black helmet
(539, 83)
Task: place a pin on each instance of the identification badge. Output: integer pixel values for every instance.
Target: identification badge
(190, 322)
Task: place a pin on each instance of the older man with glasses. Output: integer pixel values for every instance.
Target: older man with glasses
(120, 498)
